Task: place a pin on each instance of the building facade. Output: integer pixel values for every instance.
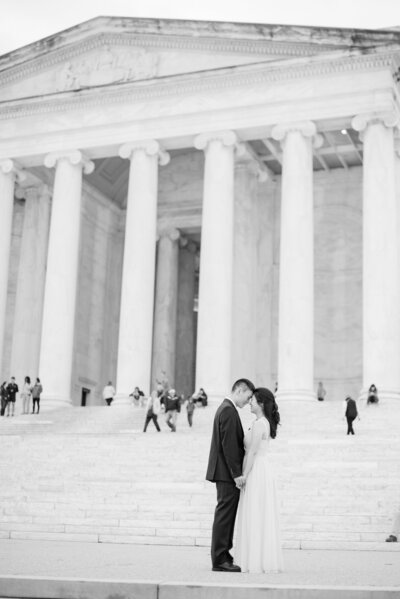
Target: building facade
(198, 202)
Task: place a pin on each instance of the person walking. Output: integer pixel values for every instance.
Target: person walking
(259, 542)
(36, 392)
(26, 395)
(108, 393)
(152, 411)
(190, 406)
(225, 470)
(350, 413)
(172, 408)
(12, 390)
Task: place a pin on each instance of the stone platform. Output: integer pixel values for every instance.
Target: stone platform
(91, 475)
(60, 570)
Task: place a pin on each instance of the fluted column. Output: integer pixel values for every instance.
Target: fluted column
(185, 330)
(244, 323)
(165, 309)
(214, 331)
(381, 264)
(296, 272)
(31, 281)
(57, 343)
(137, 293)
(8, 175)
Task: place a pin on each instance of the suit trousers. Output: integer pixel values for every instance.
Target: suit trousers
(224, 522)
(350, 419)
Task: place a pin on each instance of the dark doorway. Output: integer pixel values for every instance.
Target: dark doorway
(85, 393)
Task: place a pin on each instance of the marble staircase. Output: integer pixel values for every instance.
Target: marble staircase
(90, 474)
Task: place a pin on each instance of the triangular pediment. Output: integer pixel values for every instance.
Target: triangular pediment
(111, 50)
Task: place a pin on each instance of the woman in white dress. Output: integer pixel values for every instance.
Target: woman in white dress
(258, 540)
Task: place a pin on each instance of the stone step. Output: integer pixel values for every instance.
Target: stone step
(91, 474)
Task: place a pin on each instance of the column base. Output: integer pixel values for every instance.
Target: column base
(122, 399)
(54, 402)
(295, 395)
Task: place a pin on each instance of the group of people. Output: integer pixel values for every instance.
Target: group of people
(8, 396)
(240, 466)
(166, 400)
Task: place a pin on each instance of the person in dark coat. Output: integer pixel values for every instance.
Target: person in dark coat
(3, 398)
(225, 469)
(351, 413)
(12, 390)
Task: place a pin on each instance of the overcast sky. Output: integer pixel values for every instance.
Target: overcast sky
(26, 21)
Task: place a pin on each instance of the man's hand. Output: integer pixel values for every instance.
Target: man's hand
(240, 481)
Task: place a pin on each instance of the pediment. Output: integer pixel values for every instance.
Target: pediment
(105, 59)
(107, 51)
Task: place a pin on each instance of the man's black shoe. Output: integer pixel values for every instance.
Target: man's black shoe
(226, 567)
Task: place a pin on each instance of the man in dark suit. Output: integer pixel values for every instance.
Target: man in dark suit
(225, 469)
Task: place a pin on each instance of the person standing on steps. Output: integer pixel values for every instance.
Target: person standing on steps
(12, 390)
(3, 398)
(321, 392)
(190, 407)
(225, 470)
(26, 395)
(36, 392)
(108, 393)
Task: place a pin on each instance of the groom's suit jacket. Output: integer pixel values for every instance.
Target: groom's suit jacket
(227, 449)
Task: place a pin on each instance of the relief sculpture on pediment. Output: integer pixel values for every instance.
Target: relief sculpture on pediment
(116, 65)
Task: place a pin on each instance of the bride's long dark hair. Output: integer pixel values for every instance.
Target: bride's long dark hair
(265, 398)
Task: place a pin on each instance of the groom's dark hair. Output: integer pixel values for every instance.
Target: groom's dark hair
(243, 383)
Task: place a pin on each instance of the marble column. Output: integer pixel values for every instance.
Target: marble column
(246, 230)
(381, 263)
(8, 175)
(57, 343)
(296, 271)
(165, 309)
(137, 293)
(185, 326)
(214, 330)
(25, 349)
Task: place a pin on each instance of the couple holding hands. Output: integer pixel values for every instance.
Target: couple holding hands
(239, 465)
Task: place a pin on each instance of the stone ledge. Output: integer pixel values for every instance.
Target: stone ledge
(74, 588)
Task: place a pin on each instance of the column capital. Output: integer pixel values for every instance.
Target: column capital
(151, 147)
(188, 244)
(75, 157)
(245, 161)
(306, 128)
(227, 138)
(171, 232)
(9, 167)
(32, 191)
(389, 118)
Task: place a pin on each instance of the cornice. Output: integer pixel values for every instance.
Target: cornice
(255, 74)
(159, 42)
